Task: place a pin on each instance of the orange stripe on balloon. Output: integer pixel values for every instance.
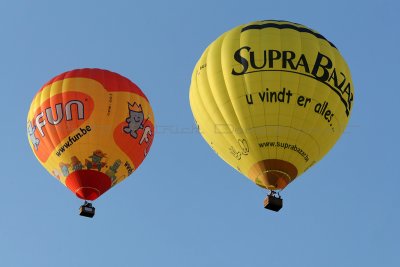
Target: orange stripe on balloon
(111, 81)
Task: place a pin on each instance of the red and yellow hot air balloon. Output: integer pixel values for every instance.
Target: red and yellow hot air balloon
(271, 98)
(90, 128)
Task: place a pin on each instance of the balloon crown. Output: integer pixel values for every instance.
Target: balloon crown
(135, 107)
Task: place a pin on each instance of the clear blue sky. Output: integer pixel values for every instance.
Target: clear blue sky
(184, 206)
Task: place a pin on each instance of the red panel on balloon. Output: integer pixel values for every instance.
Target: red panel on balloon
(88, 184)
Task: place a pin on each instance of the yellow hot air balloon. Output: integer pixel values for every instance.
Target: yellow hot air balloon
(271, 98)
(90, 128)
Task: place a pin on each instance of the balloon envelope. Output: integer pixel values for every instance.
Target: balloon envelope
(90, 128)
(271, 98)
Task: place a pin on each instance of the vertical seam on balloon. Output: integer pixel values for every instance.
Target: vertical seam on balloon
(50, 143)
(150, 117)
(244, 81)
(286, 154)
(228, 141)
(323, 152)
(245, 87)
(265, 119)
(131, 148)
(136, 155)
(290, 155)
(56, 128)
(279, 104)
(265, 116)
(50, 97)
(114, 118)
(102, 120)
(342, 128)
(326, 97)
(344, 64)
(81, 148)
(214, 101)
(231, 102)
(333, 58)
(308, 114)
(213, 98)
(118, 82)
(66, 153)
(61, 92)
(201, 102)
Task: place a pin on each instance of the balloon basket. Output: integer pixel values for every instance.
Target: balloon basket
(87, 210)
(272, 202)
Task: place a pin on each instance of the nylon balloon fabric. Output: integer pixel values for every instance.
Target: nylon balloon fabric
(90, 128)
(271, 98)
